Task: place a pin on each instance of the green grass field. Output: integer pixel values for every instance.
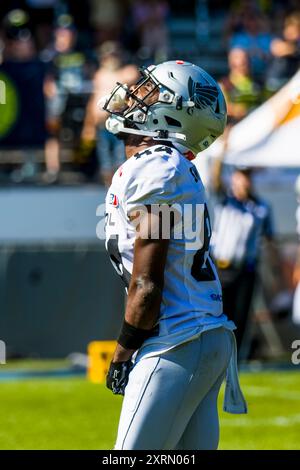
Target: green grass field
(75, 414)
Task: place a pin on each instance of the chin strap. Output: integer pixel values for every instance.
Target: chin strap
(115, 125)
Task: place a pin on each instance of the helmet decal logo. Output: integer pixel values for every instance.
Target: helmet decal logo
(202, 95)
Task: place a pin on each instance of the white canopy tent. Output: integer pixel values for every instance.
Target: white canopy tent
(267, 137)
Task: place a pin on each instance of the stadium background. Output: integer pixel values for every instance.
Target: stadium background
(57, 289)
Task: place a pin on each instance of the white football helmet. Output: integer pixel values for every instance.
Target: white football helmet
(183, 104)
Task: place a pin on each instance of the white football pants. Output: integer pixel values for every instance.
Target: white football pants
(170, 401)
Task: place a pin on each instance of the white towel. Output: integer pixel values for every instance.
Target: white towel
(234, 401)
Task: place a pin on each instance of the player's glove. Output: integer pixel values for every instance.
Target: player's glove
(117, 376)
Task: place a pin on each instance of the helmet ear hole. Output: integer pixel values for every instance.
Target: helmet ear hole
(172, 122)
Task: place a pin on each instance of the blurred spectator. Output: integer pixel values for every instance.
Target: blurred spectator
(149, 17)
(296, 275)
(18, 40)
(110, 150)
(239, 10)
(42, 13)
(19, 50)
(256, 40)
(241, 220)
(66, 74)
(241, 92)
(286, 54)
(142, 26)
(106, 19)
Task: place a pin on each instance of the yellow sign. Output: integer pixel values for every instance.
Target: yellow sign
(100, 354)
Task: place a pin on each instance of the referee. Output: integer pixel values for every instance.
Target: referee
(241, 221)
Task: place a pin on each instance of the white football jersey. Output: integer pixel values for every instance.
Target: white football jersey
(192, 295)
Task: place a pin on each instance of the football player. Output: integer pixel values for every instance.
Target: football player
(176, 344)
